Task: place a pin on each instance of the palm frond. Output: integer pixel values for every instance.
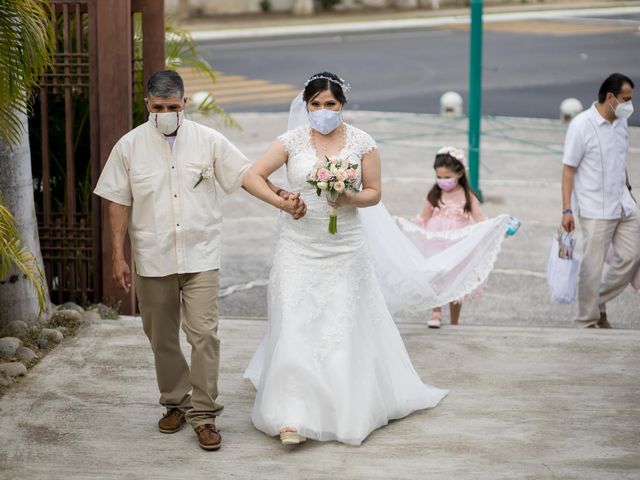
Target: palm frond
(26, 51)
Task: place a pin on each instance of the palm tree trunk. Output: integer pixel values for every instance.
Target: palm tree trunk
(18, 299)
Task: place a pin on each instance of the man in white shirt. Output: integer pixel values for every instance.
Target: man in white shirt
(163, 181)
(596, 188)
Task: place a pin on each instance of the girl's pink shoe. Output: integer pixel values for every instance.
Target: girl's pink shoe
(436, 320)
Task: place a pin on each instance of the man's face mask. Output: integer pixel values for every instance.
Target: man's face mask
(623, 109)
(167, 122)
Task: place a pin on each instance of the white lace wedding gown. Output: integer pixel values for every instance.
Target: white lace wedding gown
(332, 363)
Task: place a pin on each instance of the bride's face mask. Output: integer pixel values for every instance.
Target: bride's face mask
(325, 112)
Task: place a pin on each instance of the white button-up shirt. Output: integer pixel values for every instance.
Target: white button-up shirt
(174, 226)
(598, 150)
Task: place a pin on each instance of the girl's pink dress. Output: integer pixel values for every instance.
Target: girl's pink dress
(449, 215)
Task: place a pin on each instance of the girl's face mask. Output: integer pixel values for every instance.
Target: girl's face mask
(447, 184)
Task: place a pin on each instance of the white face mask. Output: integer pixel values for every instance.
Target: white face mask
(325, 121)
(167, 122)
(624, 109)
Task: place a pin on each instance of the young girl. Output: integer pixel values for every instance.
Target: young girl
(450, 205)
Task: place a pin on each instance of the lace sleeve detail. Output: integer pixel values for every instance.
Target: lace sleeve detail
(291, 139)
(362, 141)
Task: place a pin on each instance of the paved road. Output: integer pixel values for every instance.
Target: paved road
(530, 66)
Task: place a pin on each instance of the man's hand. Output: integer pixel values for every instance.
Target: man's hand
(121, 274)
(567, 222)
(295, 202)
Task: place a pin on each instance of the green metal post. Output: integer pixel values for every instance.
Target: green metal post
(475, 94)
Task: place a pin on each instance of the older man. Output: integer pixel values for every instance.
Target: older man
(596, 187)
(162, 180)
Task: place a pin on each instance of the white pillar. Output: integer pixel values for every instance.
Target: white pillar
(451, 104)
(569, 108)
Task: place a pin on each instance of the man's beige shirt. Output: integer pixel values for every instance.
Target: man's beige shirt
(174, 226)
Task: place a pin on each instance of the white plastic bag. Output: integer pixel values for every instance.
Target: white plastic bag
(563, 268)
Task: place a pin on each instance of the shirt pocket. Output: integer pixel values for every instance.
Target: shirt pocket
(144, 189)
(199, 178)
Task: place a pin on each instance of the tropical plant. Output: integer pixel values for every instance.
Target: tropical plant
(26, 51)
(27, 44)
(14, 256)
(180, 52)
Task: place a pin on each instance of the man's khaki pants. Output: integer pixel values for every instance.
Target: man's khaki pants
(594, 290)
(161, 299)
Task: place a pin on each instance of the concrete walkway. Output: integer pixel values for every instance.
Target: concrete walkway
(524, 404)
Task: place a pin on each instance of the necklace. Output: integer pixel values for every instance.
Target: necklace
(323, 147)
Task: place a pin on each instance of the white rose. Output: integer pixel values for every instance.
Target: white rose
(322, 185)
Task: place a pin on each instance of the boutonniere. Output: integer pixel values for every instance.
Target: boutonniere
(205, 174)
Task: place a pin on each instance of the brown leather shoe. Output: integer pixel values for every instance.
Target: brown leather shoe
(603, 322)
(208, 436)
(172, 421)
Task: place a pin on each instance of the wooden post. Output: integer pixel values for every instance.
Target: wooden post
(115, 84)
(152, 36)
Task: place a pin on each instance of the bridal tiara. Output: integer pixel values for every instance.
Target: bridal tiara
(456, 153)
(341, 82)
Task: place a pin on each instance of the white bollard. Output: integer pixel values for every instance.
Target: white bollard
(198, 97)
(569, 108)
(451, 104)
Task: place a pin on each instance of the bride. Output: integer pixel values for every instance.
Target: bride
(332, 365)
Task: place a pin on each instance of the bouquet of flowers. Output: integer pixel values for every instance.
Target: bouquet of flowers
(333, 176)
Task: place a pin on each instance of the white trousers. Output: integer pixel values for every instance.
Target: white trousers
(594, 288)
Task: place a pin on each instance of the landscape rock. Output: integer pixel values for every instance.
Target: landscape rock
(13, 369)
(8, 346)
(26, 355)
(51, 335)
(71, 306)
(66, 318)
(42, 343)
(63, 330)
(17, 328)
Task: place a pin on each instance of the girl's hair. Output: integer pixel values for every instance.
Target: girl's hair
(320, 82)
(447, 161)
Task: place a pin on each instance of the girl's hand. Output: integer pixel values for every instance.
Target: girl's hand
(343, 200)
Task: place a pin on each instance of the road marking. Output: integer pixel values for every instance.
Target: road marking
(232, 89)
(550, 27)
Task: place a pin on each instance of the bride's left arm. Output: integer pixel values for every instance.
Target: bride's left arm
(371, 184)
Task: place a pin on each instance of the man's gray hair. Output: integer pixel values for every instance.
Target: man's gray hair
(165, 84)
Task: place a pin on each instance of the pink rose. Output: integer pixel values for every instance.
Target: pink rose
(324, 175)
(338, 186)
(352, 175)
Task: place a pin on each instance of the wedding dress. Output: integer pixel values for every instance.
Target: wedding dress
(332, 363)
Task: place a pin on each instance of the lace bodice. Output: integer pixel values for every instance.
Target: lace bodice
(303, 156)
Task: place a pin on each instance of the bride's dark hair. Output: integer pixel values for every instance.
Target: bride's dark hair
(320, 82)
